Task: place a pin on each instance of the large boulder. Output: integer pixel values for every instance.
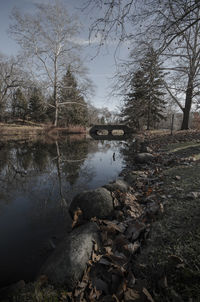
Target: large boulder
(67, 263)
(143, 158)
(93, 203)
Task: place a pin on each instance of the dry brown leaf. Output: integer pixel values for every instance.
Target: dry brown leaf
(116, 203)
(134, 230)
(129, 199)
(133, 213)
(95, 257)
(108, 250)
(120, 241)
(147, 294)
(118, 226)
(161, 208)
(77, 292)
(131, 295)
(77, 214)
(115, 297)
(92, 295)
(132, 247)
(149, 191)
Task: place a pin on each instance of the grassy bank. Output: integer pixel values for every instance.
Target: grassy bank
(15, 132)
(34, 131)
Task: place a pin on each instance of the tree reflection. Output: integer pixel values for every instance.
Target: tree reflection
(74, 155)
(57, 168)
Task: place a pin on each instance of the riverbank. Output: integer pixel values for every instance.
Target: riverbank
(14, 132)
(150, 244)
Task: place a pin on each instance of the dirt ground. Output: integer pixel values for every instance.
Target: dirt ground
(169, 262)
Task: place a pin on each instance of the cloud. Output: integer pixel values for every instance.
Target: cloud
(96, 40)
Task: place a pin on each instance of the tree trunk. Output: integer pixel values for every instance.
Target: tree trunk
(188, 103)
(56, 114)
(148, 117)
(55, 96)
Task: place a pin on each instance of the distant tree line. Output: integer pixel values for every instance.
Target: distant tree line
(22, 99)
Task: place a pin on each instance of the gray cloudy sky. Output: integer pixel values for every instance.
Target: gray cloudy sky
(101, 68)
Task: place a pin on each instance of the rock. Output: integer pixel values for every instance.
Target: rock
(143, 158)
(119, 184)
(130, 178)
(67, 263)
(93, 203)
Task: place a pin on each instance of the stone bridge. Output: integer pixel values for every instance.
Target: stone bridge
(96, 132)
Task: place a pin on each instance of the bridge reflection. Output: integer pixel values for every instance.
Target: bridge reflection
(110, 132)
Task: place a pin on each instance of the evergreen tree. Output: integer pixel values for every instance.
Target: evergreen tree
(154, 77)
(19, 105)
(135, 107)
(73, 108)
(36, 106)
(144, 104)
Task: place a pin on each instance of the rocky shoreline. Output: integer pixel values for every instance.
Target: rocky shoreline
(107, 225)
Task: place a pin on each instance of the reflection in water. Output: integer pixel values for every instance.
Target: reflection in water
(37, 183)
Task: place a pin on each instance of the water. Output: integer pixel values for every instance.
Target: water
(37, 183)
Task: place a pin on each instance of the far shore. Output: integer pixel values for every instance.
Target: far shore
(33, 130)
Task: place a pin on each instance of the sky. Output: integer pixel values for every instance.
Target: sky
(101, 67)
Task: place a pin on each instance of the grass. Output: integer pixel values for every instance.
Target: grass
(16, 132)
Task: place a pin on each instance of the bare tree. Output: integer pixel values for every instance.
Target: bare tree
(126, 19)
(48, 39)
(12, 75)
(185, 67)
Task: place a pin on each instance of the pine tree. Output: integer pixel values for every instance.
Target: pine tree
(144, 104)
(73, 108)
(36, 106)
(135, 108)
(19, 105)
(153, 76)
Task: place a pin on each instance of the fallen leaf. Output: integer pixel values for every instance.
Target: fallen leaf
(131, 279)
(116, 203)
(108, 250)
(148, 295)
(134, 230)
(95, 257)
(114, 225)
(131, 295)
(161, 208)
(77, 213)
(115, 297)
(132, 247)
(149, 191)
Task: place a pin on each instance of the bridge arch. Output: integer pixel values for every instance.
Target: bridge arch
(109, 128)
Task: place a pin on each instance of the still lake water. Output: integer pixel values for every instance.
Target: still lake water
(37, 183)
